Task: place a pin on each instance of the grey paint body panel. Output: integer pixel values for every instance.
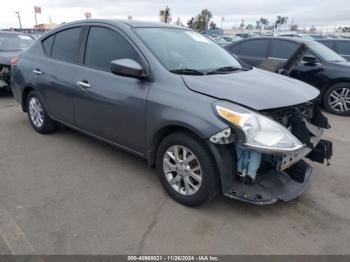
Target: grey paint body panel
(130, 113)
(256, 89)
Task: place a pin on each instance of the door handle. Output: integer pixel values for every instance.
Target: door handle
(37, 72)
(83, 84)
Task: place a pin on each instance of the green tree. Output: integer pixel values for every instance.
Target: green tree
(212, 25)
(201, 21)
(262, 23)
(281, 20)
(190, 23)
(242, 25)
(249, 27)
(294, 27)
(258, 25)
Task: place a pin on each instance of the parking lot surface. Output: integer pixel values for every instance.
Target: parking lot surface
(66, 193)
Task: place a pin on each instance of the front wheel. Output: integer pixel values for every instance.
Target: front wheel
(186, 169)
(337, 99)
(38, 116)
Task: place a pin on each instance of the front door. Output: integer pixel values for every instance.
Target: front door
(106, 105)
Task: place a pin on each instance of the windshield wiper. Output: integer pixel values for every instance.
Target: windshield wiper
(226, 70)
(187, 71)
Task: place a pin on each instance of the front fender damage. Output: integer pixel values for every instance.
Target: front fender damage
(262, 178)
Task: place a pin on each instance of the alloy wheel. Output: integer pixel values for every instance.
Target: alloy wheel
(36, 112)
(339, 99)
(182, 170)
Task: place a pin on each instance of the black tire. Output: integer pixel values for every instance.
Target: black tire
(48, 125)
(327, 97)
(210, 183)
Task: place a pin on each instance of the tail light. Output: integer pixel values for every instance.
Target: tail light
(15, 60)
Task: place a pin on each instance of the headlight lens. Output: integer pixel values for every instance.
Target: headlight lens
(261, 133)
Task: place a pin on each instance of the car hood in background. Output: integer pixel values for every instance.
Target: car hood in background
(255, 88)
(6, 56)
(345, 64)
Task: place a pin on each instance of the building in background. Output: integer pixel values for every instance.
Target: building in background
(44, 27)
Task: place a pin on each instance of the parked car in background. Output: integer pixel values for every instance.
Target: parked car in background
(340, 46)
(231, 39)
(246, 35)
(316, 36)
(11, 44)
(305, 36)
(221, 41)
(206, 121)
(332, 36)
(321, 67)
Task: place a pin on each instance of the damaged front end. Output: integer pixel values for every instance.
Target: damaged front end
(268, 149)
(5, 72)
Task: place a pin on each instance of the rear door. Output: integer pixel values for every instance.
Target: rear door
(109, 106)
(54, 72)
(254, 52)
(343, 48)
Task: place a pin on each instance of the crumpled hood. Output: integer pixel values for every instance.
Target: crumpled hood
(257, 89)
(6, 56)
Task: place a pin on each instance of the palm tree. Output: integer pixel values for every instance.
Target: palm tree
(281, 20)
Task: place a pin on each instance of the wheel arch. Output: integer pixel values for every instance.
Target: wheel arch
(25, 94)
(163, 132)
(223, 155)
(335, 82)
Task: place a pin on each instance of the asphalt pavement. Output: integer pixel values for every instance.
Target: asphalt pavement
(66, 193)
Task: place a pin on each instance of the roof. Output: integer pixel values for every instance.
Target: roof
(290, 39)
(131, 23)
(333, 39)
(293, 39)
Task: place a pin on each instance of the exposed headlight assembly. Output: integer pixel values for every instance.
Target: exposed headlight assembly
(261, 133)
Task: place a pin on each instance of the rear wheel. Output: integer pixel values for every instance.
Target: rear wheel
(38, 116)
(186, 169)
(337, 99)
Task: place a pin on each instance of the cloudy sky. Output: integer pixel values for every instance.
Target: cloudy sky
(326, 13)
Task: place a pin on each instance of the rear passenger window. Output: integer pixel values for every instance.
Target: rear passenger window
(66, 45)
(283, 49)
(105, 45)
(47, 44)
(257, 48)
(344, 48)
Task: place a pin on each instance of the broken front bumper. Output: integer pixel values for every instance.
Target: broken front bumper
(274, 185)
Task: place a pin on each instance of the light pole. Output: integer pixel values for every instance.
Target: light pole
(19, 19)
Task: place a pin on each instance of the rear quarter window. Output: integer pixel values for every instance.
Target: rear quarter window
(66, 45)
(47, 45)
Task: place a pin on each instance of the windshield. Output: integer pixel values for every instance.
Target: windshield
(180, 49)
(325, 53)
(14, 42)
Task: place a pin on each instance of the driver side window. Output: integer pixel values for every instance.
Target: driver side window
(105, 45)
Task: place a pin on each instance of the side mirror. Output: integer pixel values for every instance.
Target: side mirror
(310, 59)
(128, 68)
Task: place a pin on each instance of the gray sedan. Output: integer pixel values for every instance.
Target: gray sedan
(205, 121)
